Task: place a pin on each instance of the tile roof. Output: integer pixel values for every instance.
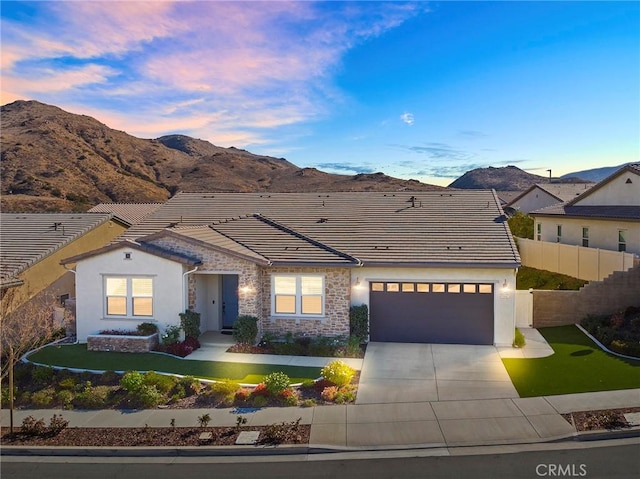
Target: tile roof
(565, 191)
(27, 238)
(456, 228)
(131, 213)
(612, 212)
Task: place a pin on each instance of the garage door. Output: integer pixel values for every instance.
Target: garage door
(414, 312)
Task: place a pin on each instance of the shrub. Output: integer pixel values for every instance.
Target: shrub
(289, 349)
(57, 424)
(616, 320)
(260, 390)
(322, 346)
(190, 322)
(190, 384)
(65, 397)
(338, 373)
(308, 403)
(329, 393)
(605, 335)
(518, 340)
(161, 382)
(259, 401)
(245, 329)
(147, 329)
(132, 381)
(32, 426)
(43, 398)
(278, 433)
(171, 335)
(68, 383)
(242, 394)
(344, 395)
(628, 348)
(591, 323)
(223, 388)
(359, 322)
(109, 377)
(42, 374)
(276, 382)
(91, 398)
(148, 396)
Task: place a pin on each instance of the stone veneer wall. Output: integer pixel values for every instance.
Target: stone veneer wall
(337, 304)
(122, 344)
(249, 299)
(614, 293)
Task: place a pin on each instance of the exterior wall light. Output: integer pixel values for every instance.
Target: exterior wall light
(245, 289)
(505, 286)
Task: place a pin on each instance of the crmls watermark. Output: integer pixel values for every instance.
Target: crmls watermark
(561, 470)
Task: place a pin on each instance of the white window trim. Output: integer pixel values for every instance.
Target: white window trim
(298, 314)
(129, 297)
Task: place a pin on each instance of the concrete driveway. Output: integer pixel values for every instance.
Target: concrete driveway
(407, 372)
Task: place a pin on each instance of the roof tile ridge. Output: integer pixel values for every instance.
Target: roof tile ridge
(505, 226)
(303, 237)
(212, 227)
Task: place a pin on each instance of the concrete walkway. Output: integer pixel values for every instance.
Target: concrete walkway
(376, 426)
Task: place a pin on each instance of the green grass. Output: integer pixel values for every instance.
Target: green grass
(540, 279)
(577, 366)
(77, 356)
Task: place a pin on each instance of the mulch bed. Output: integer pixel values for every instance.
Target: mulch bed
(152, 437)
(604, 419)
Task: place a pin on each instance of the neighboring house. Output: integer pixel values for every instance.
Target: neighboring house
(431, 266)
(506, 197)
(546, 194)
(607, 216)
(129, 213)
(32, 245)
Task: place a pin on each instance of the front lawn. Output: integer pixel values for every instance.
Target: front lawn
(577, 366)
(541, 279)
(77, 356)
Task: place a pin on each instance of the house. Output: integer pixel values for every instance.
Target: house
(32, 245)
(607, 216)
(546, 194)
(431, 266)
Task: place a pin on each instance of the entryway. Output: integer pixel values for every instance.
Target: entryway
(216, 300)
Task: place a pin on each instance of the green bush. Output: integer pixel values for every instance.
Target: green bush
(627, 348)
(223, 388)
(171, 335)
(147, 329)
(68, 383)
(109, 377)
(91, 398)
(190, 384)
(518, 339)
(322, 346)
(43, 398)
(57, 424)
(338, 373)
(148, 396)
(592, 322)
(259, 401)
(521, 225)
(344, 395)
(190, 322)
(359, 322)
(289, 349)
(42, 374)
(276, 382)
(65, 397)
(245, 329)
(132, 381)
(162, 382)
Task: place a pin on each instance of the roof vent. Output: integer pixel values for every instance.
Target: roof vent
(322, 220)
(628, 182)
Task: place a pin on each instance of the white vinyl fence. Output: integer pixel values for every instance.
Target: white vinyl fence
(590, 264)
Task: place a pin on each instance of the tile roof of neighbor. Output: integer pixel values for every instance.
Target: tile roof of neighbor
(507, 196)
(613, 212)
(562, 191)
(131, 213)
(457, 228)
(27, 238)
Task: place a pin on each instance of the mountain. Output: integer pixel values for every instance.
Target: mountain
(595, 174)
(507, 178)
(53, 160)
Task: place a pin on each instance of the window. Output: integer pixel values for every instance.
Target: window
(422, 287)
(453, 288)
(125, 296)
(408, 287)
(558, 233)
(585, 237)
(377, 286)
(299, 295)
(469, 288)
(393, 287)
(539, 232)
(437, 288)
(485, 288)
(622, 240)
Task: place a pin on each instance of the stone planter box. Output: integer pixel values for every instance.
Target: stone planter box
(122, 344)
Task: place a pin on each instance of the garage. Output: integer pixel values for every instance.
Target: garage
(431, 312)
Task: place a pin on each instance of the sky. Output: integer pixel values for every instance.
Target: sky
(422, 90)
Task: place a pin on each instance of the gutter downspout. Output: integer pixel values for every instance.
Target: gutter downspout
(185, 290)
(74, 283)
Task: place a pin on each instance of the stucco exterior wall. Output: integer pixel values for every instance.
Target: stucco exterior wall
(603, 234)
(504, 300)
(49, 274)
(168, 295)
(337, 304)
(535, 200)
(616, 192)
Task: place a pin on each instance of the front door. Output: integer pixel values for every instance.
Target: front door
(229, 300)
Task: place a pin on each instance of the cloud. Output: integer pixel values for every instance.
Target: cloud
(219, 69)
(440, 151)
(407, 118)
(346, 167)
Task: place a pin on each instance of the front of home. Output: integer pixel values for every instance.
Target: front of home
(431, 267)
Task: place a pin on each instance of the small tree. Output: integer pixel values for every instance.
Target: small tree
(521, 225)
(21, 330)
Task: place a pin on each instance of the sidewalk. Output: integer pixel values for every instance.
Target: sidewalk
(378, 426)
